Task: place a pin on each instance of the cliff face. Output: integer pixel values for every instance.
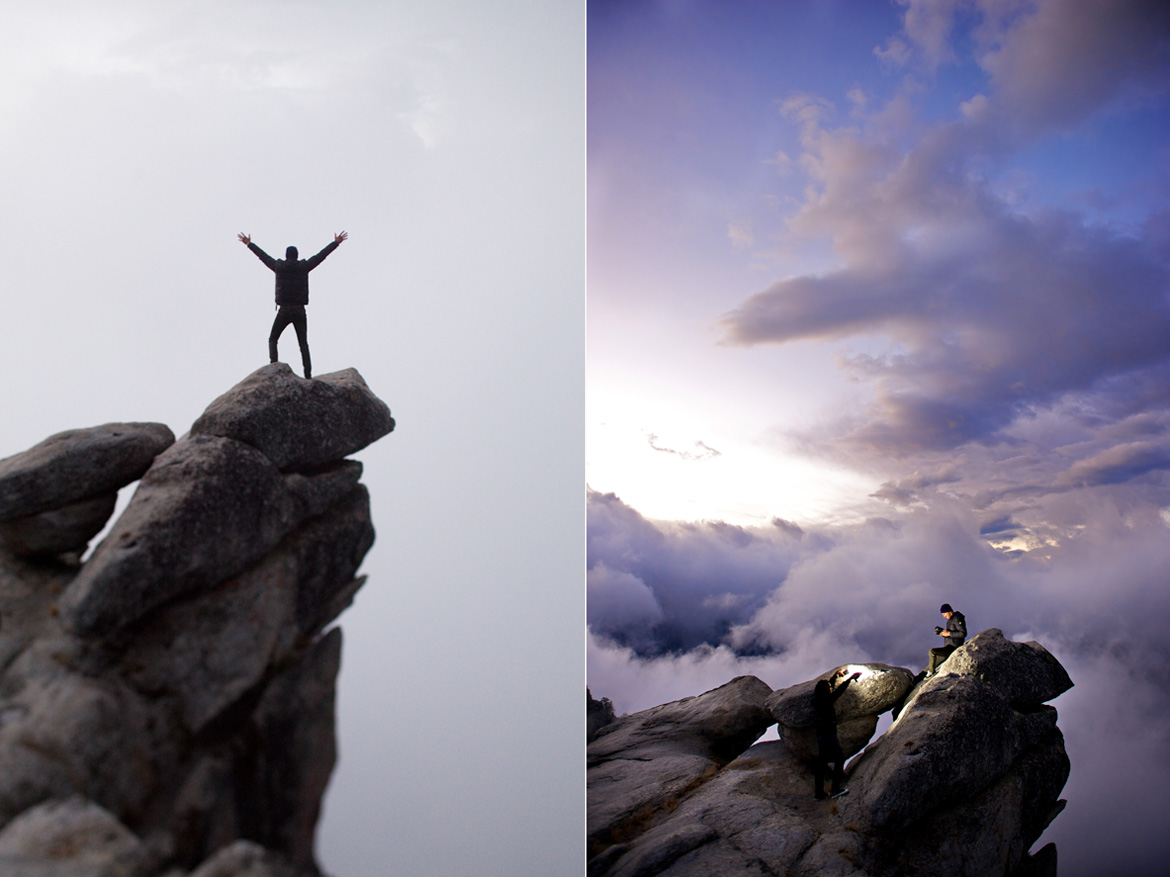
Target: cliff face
(168, 704)
(964, 781)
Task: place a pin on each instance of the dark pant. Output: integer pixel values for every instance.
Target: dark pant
(294, 314)
(937, 656)
(828, 750)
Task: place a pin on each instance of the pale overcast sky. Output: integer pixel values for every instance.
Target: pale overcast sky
(137, 139)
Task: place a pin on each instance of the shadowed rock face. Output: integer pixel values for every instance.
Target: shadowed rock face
(78, 464)
(298, 424)
(965, 781)
(58, 495)
(880, 688)
(167, 707)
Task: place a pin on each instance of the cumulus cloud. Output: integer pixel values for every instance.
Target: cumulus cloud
(1056, 63)
(703, 577)
(987, 312)
(621, 607)
(1051, 63)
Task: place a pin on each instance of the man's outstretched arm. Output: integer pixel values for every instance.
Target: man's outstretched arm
(329, 248)
(246, 239)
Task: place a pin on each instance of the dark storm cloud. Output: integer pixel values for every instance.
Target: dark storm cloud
(998, 526)
(687, 584)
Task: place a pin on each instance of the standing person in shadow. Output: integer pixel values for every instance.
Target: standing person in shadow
(292, 293)
(828, 746)
(955, 633)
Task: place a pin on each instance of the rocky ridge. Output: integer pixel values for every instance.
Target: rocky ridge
(166, 707)
(965, 780)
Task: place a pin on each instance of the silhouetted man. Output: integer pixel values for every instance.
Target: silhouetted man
(292, 293)
(828, 746)
(955, 633)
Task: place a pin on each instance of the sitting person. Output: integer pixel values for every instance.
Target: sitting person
(955, 633)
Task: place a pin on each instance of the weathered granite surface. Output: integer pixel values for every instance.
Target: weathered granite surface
(965, 780)
(167, 707)
(879, 689)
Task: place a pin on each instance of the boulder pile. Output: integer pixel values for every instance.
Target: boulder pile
(166, 707)
(965, 780)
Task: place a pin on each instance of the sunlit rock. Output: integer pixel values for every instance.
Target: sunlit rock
(645, 762)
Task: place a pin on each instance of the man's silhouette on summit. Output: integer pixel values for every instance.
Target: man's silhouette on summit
(292, 293)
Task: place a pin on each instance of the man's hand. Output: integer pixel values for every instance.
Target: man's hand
(840, 673)
(855, 676)
(338, 238)
(245, 238)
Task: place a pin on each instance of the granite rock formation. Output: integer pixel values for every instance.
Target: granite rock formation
(166, 707)
(964, 781)
(58, 495)
(879, 689)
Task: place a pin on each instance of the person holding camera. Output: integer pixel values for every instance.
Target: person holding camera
(828, 746)
(955, 633)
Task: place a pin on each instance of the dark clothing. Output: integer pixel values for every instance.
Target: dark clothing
(292, 275)
(292, 294)
(828, 747)
(828, 750)
(957, 625)
(296, 315)
(937, 656)
(826, 716)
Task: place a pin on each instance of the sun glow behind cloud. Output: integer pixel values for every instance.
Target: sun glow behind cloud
(676, 463)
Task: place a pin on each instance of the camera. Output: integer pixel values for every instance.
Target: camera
(937, 629)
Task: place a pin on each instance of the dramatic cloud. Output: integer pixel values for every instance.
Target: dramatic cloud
(870, 592)
(989, 313)
(687, 584)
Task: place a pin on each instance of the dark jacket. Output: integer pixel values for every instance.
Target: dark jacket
(292, 275)
(957, 624)
(826, 715)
